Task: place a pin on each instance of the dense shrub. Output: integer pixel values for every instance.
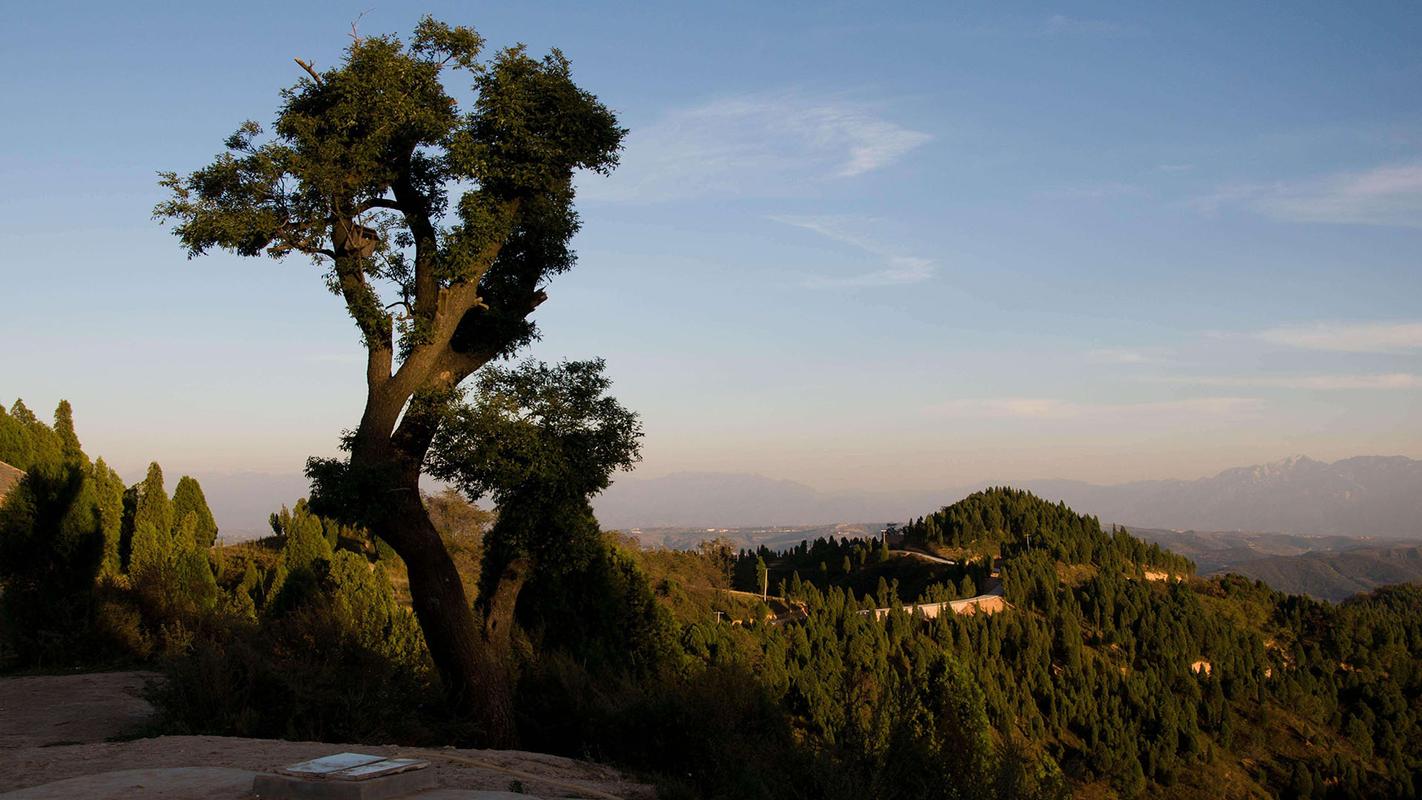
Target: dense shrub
(346, 663)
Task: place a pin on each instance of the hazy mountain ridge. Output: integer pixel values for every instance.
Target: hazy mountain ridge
(1326, 567)
(1335, 576)
(1364, 496)
(1361, 496)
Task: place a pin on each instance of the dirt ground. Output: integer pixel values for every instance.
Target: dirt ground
(55, 728)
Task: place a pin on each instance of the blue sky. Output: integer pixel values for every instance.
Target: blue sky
(873, 245)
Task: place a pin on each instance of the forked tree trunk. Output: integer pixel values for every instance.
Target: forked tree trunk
(476, 679)
(402, 415)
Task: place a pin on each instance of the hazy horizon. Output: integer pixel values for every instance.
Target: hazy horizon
(241, 500)
(872, 252)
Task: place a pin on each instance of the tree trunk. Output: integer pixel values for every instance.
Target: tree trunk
(388, 453)
(499, 616)
(476, 681)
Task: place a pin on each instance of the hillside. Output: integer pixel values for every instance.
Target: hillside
(1119, 671)
(1325, 567)
(9, 476)
(1337, 576)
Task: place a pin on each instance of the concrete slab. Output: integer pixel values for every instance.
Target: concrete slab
(172, 783)
(471, 794)
(385, 787)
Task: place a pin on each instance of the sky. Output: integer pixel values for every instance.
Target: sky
(871, 245)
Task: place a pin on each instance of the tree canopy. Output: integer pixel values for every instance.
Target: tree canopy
(434, 184)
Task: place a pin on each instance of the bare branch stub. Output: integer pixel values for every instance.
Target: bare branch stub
(355, 26)
(306, 65)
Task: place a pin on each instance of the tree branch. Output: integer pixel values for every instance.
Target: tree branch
(378, 202)
(306, 65)
(412, 204)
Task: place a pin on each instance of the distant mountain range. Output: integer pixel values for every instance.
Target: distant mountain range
(1365, 496)
(1327, 567)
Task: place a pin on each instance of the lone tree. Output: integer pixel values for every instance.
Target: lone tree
(438, 225)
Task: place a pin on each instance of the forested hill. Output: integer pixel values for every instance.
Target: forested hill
(1011, 522)
(1113, 670)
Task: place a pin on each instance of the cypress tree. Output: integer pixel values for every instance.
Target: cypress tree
(69, 449)
(188, 498)
(45, 447)
(195, 588)
(14, 440)
(108, 490)
(152, 544)
(185, 535)
(306, 541)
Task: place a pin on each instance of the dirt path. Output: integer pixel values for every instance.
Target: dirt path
(54, 728)
(45, 710)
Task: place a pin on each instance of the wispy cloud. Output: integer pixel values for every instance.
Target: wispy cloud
(765, 143)
(1124, 356)
(1346, 337)
(1096, 191)
(897, 268)
(1388, 195)
(1041, 408)
(1383, 381)
(1063, 25)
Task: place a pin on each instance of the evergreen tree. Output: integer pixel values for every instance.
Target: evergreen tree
(109, 489)
(306, 547)
(14, 443)
(152, 543)
(51, 548)
(69, 449)
(188, 498)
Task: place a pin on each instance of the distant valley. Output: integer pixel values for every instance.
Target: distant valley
(1326, 567)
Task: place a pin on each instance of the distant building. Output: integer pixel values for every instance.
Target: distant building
(893, 537)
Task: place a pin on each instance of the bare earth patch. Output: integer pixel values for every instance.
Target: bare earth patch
(42, 710)
(53, 728)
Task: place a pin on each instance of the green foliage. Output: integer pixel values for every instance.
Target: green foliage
(108, 489)
(26, 443)
(188, 498)
(535, 429)
(58, 527)
(540, 441)
(457, 215)
(305, 542)
(70, 450)
(1016, 521)
(383, 123)
(363, 604)
(51, 548)
(603, 613)
(152, 524)
(303, 676)
(340, 660)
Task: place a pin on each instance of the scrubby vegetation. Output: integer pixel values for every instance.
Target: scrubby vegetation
(1112, 673)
